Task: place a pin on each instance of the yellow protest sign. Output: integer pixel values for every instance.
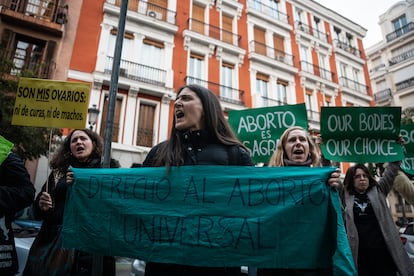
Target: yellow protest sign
(50, 103)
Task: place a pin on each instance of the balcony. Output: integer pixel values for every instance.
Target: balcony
(354, 85)
(213, 32)
(40, 15)
(263, 49)
(383, 95)
(219, 90)
(379, 67)
(400, 32)
(316, 70)
(266, 101)
(138, 72)
(347, 48)
(404, 84)
(149, 9)
(402, 57)
(268, 10)
(313, 32)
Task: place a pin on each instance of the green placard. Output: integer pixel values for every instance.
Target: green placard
(209, 216)
(259, 129)
(361, 134)
(407, 133)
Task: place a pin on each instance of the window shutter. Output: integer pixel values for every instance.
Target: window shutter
(227, 29)
(260, 41)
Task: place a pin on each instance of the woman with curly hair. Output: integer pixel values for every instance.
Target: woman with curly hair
(82, 148)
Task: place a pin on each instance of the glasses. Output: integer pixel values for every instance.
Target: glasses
(360, 176)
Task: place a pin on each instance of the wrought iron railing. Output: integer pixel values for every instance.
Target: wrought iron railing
(316, 70)
(354, 85)
(346, 47)
(213, 32)
(222, 90)
(138, 72)
(400, 32)
(149, 9)
(404, 84)
(263, 49)
(268, 10)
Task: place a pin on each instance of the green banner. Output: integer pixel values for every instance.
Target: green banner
(259, 129)
(209, 216)
(361, 134)
(407, 133)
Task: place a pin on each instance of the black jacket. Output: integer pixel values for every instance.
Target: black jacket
(200, 149)
(16, 193)
(53, 219)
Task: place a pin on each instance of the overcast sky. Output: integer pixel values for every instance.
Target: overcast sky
(363, 12)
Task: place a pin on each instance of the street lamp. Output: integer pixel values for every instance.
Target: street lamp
(93, 113)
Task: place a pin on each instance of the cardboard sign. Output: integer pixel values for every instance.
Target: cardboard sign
(259, 129)
(361, 134)
(208, 216)
(48, 103)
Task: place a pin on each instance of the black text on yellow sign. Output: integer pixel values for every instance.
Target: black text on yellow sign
(48, 103)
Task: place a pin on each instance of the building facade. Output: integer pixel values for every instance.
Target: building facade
(391, 67)
(37, 36)
(391, 60)
(251, 53)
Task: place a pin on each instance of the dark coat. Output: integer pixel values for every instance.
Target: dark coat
(377, 196)
(53, 218)
(16, 193)
(200, 149)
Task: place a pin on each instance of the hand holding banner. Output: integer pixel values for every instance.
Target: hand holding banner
(208, 216)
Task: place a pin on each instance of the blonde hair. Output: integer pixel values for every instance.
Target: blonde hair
(279, 155)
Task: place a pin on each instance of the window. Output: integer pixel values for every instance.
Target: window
(260, 41)
(197, 24)
(318, 29)
(337, 33)
(298, 14)
(350, 39)
(343, 69)
(274, 8)
(328, 100)
(226, 88)
(145, 132)
(116, 119)
(255, 4)
(227, 29)
(399, 23)
(304, 58)
(28, 53)
(195, 68)
(278, 45)
(324, 67)
(261, 87)
(281, 86)
(152, 53)
(310, 105)
(157, 8)
(127, 48)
